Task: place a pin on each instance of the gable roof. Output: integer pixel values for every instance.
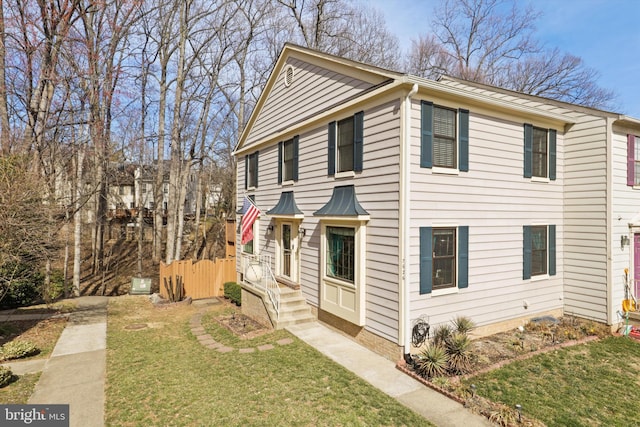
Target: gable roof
(375, 81)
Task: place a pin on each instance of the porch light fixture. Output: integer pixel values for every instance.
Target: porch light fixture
(302, 231)
(270, 228)
(624, 241)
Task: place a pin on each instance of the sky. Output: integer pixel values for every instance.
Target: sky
(604, 33)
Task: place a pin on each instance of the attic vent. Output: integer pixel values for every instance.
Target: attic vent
(288, 75)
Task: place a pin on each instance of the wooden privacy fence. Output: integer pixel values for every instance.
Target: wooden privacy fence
(201, 279)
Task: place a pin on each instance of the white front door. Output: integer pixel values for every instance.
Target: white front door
(288, 253)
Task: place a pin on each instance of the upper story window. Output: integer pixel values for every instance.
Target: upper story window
(251, 170)
(288, 160)
(444, 137)
(539, 152)
(346, 139)
(633, 160)
(539, 250)
(444, 258)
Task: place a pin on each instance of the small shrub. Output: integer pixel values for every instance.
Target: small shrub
(432, 361)
(441, 333)
(20, 284)
(463, 324)
(233, 292)
(17, 350)
(504, 416)
(56, 288)
(460, 352)
(6, 376)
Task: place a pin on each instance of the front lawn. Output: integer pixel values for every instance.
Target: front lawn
(159, 374)
(594, 384)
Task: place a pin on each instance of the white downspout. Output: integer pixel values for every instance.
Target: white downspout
(405, 222)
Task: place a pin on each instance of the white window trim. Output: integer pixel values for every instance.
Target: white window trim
(445, 171)
(345, 174)
(540, 179)
(359, 283)
(545, 276)
(452, 289)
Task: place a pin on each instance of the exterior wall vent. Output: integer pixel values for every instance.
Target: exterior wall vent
(288, 75)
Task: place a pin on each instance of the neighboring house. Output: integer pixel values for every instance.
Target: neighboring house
(388, 198)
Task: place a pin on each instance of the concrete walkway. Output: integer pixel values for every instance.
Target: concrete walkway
(382, 374)
(75, 372)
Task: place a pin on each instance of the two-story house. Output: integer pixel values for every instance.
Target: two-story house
(386, 198)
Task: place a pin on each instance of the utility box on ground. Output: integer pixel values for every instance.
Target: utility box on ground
(140, 286)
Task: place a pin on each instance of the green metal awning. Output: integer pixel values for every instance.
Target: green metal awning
(344, 204)
(286, 207)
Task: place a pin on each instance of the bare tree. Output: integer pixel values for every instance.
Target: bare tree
(343, 28)
(492, 42)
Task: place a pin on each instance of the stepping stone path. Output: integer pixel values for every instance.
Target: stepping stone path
(207, 340)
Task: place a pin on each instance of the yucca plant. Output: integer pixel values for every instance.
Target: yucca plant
(463, 324)
(432, 361)
(460, 352)
(441, 333)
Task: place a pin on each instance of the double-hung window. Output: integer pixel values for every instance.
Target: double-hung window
(444, 137)
(539, 152)
(539, 250)
(251, 170)
(444, 258)
(346, 139)
(633, 160)
(288, 160)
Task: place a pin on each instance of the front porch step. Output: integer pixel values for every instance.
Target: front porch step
(293, 309)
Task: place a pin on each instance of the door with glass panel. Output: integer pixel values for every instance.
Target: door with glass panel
(288, 251)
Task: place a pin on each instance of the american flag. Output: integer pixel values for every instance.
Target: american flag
(249, 214)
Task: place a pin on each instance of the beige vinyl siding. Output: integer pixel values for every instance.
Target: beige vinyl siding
(585, 291)
(495, 201)
(313, 89)
(377, 189)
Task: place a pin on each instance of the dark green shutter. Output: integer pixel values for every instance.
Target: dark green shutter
(526, 252)
(552, 250)
(280, 157)
(358, 141)
(332, 149)
(552, 154)
(463, 257)
(246, 172)
(528, 150)
(426, 262)
(426, 134)
(296, 155)
(464, 139)
(256, 177)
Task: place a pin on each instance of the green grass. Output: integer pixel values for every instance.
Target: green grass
(593, 384)
(19, 391)
(163, 376)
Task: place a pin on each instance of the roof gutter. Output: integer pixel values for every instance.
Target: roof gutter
(405, 222)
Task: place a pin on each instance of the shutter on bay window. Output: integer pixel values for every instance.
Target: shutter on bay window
(526, 252)
(280, 148)
(332, 149)
(528, 150)
(358, 141)
(426, 134)
(631, 148)
(463, 257)
(552, 154)
(552, 250)
(296, 154)
(463, 132)
(426, 263)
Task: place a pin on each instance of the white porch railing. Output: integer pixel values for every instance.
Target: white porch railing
(258, 273)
